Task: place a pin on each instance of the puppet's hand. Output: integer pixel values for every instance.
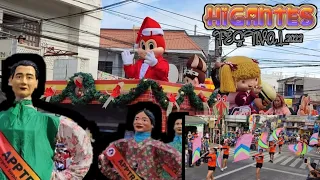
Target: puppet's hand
(127, 58)
(151, 59)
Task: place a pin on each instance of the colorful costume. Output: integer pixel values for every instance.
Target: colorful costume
(33, 134)
(177, 143)
(145, 155)
(151, 45)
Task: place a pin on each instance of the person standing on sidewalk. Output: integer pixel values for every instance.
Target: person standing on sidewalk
(226, 149)
(190, 146)
(259, 159)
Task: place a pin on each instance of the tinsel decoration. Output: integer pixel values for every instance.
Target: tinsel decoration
(91, 93)
(173, 101)
(115, 93)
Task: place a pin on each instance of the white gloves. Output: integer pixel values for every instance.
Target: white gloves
(151, 59)
(127, 58)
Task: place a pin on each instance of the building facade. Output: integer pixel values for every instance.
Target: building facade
(179, 48)
(294, 87)
(62, 41)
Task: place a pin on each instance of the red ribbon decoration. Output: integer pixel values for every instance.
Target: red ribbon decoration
(78, 81)
(49, 92)
(233, 67)
(202, 97)
(116, 91)
(172, 98)
(221, 106)
(255, 61)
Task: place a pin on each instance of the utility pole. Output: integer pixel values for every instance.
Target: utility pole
(217, 49)
(195, 29)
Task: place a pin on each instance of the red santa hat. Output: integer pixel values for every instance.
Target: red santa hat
(150, 27)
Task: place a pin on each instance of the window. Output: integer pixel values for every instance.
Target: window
(299, 88)
(105, 66)
(25, 25)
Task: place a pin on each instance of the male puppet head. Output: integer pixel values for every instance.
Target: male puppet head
(150, 38)
(196, 71)
(24, 79)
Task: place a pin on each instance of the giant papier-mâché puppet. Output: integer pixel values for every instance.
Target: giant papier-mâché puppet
(34, 134)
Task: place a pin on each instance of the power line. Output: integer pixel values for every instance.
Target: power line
(56, 39)
(88, 11)
(107, 10)
(305, 65)
(166, 10)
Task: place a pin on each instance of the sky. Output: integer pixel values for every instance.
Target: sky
(307, 52)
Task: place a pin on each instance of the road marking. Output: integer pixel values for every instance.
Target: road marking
(233, 171)
(287, 160)
(287, 172)
(279, 159)
(239, 169)
(303, 166)
(295, 163)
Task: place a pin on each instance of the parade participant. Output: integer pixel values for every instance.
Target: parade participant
(303, 140)
(212, 163)
(279, 107)
(226, 149)
(272, 150)
(259, 159)
(280, 143)
(195, 73)
(27, 129)
(151, 44)
(147, 158)
(239, 76)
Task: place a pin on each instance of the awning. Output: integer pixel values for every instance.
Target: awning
(194, 120)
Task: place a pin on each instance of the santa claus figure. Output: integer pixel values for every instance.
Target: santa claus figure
(151, 44)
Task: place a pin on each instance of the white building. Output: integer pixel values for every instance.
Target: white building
(272, 79)
(27, 15)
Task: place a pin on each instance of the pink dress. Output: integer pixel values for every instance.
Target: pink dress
(279, 111)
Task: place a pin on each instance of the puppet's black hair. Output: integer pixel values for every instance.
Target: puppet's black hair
(171, 121)
(24, 63)
(34, 59)
(149, 114)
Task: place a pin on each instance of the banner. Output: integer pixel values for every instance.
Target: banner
(288, 102)
(196, 148)
(12, 164)
(120, 164)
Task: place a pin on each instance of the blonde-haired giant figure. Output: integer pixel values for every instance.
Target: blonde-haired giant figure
(239, 75)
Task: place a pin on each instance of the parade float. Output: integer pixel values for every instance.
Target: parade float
(170, 97)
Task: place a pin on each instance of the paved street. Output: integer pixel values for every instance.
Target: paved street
(285, 166)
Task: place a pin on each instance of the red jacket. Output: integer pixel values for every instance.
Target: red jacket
(159, 72)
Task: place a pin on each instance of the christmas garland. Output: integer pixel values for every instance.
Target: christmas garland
(90, 93)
